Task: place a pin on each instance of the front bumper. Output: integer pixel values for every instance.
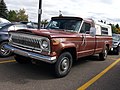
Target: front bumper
(33, 55)
(114, 47)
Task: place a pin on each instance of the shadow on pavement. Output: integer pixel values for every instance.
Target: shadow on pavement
(21, 73)
(24, 73)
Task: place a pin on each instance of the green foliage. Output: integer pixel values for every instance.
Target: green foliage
(44, 23)
(16, 16)
(115, 28)
(21, 16)
(3, 9)
(12, 15)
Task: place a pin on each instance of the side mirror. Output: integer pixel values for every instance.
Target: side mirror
(93, 31)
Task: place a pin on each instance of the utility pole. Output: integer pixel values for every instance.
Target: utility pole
(39, 14)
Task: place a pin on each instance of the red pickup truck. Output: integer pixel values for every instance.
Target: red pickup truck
(64, 40)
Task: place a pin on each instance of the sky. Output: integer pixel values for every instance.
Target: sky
(107, 10)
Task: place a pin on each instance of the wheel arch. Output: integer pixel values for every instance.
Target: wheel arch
(108, 46)
(72, 51)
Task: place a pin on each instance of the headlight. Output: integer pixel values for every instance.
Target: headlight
(45, 44)
(10, 38)
(116, 44)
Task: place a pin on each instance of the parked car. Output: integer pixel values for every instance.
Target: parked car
(65, 40)
(3, 20)
(4, 28)
(115, 44)
(30, 24)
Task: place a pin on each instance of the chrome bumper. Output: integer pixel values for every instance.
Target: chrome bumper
(33, 55)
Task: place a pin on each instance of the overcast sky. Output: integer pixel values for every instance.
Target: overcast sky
(108, 10)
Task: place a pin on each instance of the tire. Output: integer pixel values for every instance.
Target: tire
(117, 51)
(63, 64)
(4, 52)
(21, 59)
(103, 54)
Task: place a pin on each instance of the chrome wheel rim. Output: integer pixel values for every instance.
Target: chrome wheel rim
(105, 54)
(4, 51)
(64, 64)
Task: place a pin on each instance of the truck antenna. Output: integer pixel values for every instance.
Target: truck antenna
(60, 13)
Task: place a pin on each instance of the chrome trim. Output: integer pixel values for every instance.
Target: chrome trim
(81, 26)
(31, 38)
(30, 49)
(33, 55)
(86, 51)
(48, 45)
(21, 47)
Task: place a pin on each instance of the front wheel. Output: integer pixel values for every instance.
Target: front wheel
(3, 51)
(103, 54)
(117, 51)
(63, 64)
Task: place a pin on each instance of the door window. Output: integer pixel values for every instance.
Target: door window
(85, 27)
(104, 31)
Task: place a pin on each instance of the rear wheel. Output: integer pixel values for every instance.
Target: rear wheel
(63, 64)
(117, 51)
(21, 59)
(3, 51)
(103, 54)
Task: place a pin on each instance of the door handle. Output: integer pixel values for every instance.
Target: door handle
(83, 40)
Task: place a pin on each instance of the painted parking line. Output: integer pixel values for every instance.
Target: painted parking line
(8, 61)
(94, 79)
(112, 58)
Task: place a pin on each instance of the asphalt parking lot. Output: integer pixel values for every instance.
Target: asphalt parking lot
(14, 76)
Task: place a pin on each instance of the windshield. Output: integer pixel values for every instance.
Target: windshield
(2, 24)
(65, 24)
(116, 37)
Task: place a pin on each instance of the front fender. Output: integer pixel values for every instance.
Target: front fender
(67, 45)
(4, 37)
(62, 46)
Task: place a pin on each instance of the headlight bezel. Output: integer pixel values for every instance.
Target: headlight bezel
(115, 43)
(10, 38)
(45, 44)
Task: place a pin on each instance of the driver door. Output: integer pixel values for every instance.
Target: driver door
(87, 45)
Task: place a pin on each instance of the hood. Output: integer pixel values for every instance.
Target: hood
(55, 33)
(2, 20)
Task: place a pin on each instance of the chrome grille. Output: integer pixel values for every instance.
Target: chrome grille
(25, 40)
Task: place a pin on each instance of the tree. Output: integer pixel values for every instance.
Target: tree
(113, 28)
(17, 15)
(44, 23)
(117, 26)
(117, 29)
(3, 9)
(12, 15)
(21, 16)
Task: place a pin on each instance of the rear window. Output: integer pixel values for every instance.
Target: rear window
(104, 31)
